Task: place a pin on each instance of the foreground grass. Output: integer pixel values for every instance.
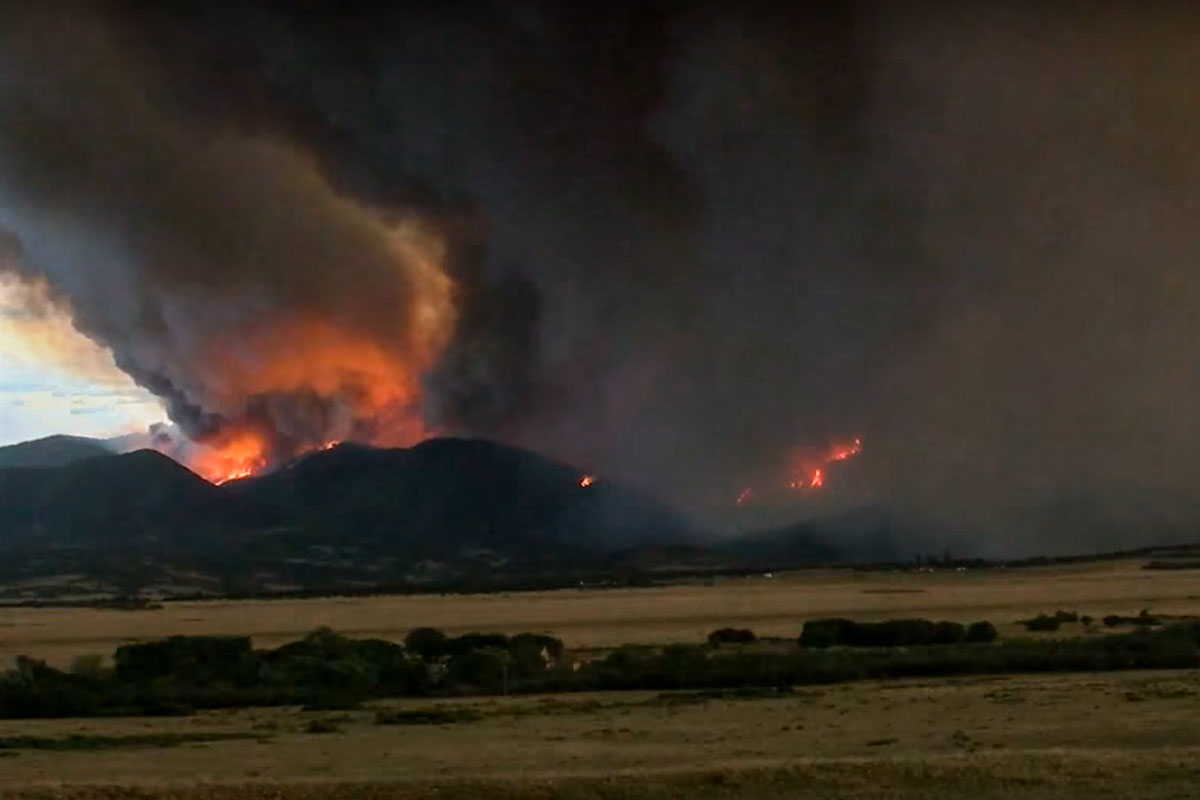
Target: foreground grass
(1096, 775)
(1095, 735)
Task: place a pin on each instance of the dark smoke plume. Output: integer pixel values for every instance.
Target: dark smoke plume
(685, 241)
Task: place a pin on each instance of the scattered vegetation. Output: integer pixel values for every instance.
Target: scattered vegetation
(426, 716)
(1173, 563)
(323, 725)
(732, 636)
(81, 741)
(1052, 622)
(1143, 619)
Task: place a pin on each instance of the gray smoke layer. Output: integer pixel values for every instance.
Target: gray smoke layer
(688, 243)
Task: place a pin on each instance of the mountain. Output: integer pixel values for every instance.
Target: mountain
(353, 515)
(52, 451)
(458, 493)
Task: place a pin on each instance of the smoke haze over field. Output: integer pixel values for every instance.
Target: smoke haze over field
(677, 244)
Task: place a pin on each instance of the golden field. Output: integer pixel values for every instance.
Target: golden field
(1110, 735)
(1097, 736)
(597, 618)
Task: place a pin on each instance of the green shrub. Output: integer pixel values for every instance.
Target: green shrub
(1042, 622)
(948, 633)
(554, 646)
(428, 643)
(892, 633)
(197, 660)
(485, 670)
(35, 689)
(1143, 619)
(731, 636)
(533, 653)
(1146, 618)
(825, 632)
(464, 644)
(323, 643)
(982, 632)
(629, 656)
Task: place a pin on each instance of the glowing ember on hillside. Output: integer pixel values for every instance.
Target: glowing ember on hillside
(808, 471)
(817, 480)
(841, 453)
(586, 481)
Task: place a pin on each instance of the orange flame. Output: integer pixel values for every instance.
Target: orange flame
(238, 456)
(586, 481)
(809, 475)
(371, 380)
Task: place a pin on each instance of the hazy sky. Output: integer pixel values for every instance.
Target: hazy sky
(41, 394)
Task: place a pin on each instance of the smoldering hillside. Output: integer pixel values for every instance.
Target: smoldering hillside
(680, 242)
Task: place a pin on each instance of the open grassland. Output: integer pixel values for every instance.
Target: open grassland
(596, 618)
(1097, 736)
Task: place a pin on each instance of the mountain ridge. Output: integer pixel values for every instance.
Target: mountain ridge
(442, 509)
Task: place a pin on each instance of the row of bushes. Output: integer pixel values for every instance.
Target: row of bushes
(1052, 622)
(325, 670)
(322, 670)
(894, 633)
(698, 667)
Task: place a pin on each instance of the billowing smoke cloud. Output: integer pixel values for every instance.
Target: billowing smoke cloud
(221, 268)
(677, 246)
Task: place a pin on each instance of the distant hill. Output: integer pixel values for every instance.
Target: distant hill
(141, 500)
(856, 535)
(52, 451)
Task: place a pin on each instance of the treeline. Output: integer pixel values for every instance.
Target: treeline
(322, 670)
(327, 670)
(894, 633)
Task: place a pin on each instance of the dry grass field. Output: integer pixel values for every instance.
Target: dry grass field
(1133, 735)
(598, 618)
